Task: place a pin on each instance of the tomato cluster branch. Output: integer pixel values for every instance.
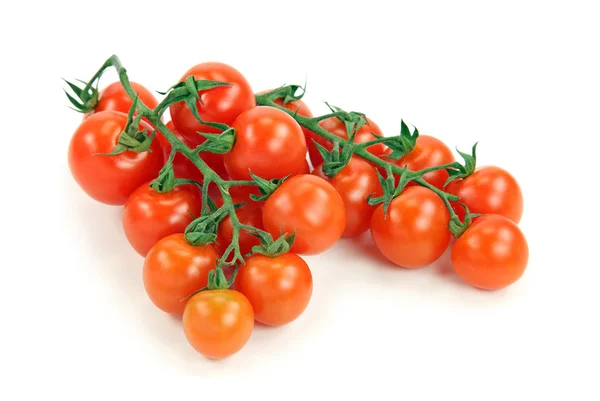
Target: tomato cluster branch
(401, 145)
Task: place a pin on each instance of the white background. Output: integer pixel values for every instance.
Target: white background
(522, 78)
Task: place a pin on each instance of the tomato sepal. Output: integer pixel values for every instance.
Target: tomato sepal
(272, 248)
(463, 171)
(217, 143)
(266, 187)
(457, 227)
(87, 96)
(402, 144)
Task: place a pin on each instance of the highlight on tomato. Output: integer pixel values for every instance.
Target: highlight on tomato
(115, 98)
(428, 152)
(414, 232)
(110, 179)
(278, 287)
(218, 323)
(310, 207)
(366, 133)
(355, 182)
(223, 104)
(489, 190)
(175, 269)
(268, 142)
(149, 215)
(491, 254)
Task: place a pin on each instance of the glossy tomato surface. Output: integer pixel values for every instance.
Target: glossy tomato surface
(149, 216)
(491, 254)
(279, 288)
(218, 323)
(312, 208)
(415, 231)
(110, 179)
(174, 269)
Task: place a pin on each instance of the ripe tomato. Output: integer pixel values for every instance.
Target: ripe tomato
(268, 142)
(249, 214)
(428, 152)
(150, 216)
(491, 254)
(310, 206)
(338, 128)
(222, 104)
(174, 269)
(489, 190)
(110, 179)
(279, 288)
(218, 323)
(182, 166)
(355, 183)
(114, 98)
(415, 231)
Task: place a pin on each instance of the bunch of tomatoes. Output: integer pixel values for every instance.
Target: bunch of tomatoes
(222, 231)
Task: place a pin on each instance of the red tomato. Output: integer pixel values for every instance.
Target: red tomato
(218, 323)
(268, 142)
(114, 98)
(279, 288)
(174, 269)
(489, 190)
(428, 152)
(491, 254)
(310, 206)
(415, 231)
(249, 214)
(355, 183)
(110, 179)
(338, 128)
(182, 166)
(222, 104)
(150, 216)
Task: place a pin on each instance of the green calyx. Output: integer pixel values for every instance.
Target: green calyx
(460, 171)
(203, 230)
(218, 143)
(216, 281)
(402, 144)
(271, 248)
(457, 227)
(334, 160)
(287, 94)
(86, 97)
(265, 187)
(389, 187)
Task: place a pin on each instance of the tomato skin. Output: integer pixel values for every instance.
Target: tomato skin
(174, 269)
(114, 98)
(489, 190)
(338, 128)
(268, 142)
(414, 233)
(218, 323)
(222, 104)
(355, 183)
(278, 288)
(299, 107)
(249, 214)
(491, 254)
(110, 179)
(312, 207)
(150, 216)
(428, 152)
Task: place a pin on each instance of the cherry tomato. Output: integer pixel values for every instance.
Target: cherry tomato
(218, 323)
(222, 104)
(110, 179)
(279, 288)
(174, 269)
(299, 107)
(491, 254)
(428, 152)
(338, 128)
(114, 98)
(355, 183)
(310, 206)
(489, 190)
(249, 214)
(150, 216)
(268, 142)
(414, 233)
